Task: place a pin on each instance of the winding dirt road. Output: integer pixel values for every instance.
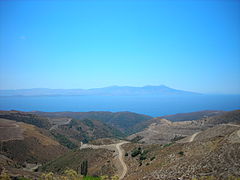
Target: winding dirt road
(117, 147)
(121, 159)
(193, 137)
(238, 132)
(62, 123)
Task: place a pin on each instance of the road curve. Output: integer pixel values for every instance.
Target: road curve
(117, 147)
(238, 132)
(121, 159)
(229, 124)
(63, 123)
(193, 137)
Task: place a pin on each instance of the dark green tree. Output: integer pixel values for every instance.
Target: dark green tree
(84, 168)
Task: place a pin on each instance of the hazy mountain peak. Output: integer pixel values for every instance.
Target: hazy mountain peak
(107, 91)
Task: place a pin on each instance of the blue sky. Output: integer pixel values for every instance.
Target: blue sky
(189, 45)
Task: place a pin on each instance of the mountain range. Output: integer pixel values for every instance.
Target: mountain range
(106, 91)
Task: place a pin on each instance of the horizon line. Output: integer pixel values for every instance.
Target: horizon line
(161, 85)
(91, 87)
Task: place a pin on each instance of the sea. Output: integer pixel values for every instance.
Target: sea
(149, 105)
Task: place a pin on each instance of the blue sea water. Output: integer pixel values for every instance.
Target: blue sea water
(149, 105)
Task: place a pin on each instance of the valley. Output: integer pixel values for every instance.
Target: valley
(205, 144)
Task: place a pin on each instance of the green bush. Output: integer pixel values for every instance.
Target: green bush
(64, 141)
(136, 139)
(181, 153)
(152, 158)
(143, 155)
(136, 152)
(91, 178)
(84, 168)
(167, 145)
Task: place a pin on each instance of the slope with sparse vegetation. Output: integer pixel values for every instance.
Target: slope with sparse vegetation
(127, 122)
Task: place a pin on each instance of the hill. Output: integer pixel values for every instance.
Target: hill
(67, 131)
(100, 162)
(165, 131)
(227, 117)
(192, 116)
(109, 91)
(23, 142)
(86, 130)
(26, 117)
(127, 122)
(213, 153)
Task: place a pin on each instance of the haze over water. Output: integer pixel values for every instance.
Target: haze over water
(149, 105)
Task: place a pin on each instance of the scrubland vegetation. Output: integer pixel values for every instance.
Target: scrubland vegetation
(69, 174)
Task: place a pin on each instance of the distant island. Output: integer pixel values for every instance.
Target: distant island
(106, 91)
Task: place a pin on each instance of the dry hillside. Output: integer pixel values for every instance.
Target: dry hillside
(165, 131)
(100, 162)
(213, 152)
(23, 142)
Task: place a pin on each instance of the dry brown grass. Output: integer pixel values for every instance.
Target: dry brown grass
(33, 131)
(216, 157)
(9, 130)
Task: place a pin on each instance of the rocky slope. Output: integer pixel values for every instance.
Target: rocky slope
(213, 152)
(165, 131)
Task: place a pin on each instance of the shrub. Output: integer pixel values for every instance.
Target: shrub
(167, 145)
(136, 139)
(152, 158)
(84, 168)
(5, 176)
(181, 153)
(63, 140)
(143, 157)
(136, 152)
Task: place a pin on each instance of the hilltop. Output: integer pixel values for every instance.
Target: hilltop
(26, 117)
(192, 116)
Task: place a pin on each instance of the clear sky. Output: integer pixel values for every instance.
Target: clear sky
(191, 45)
